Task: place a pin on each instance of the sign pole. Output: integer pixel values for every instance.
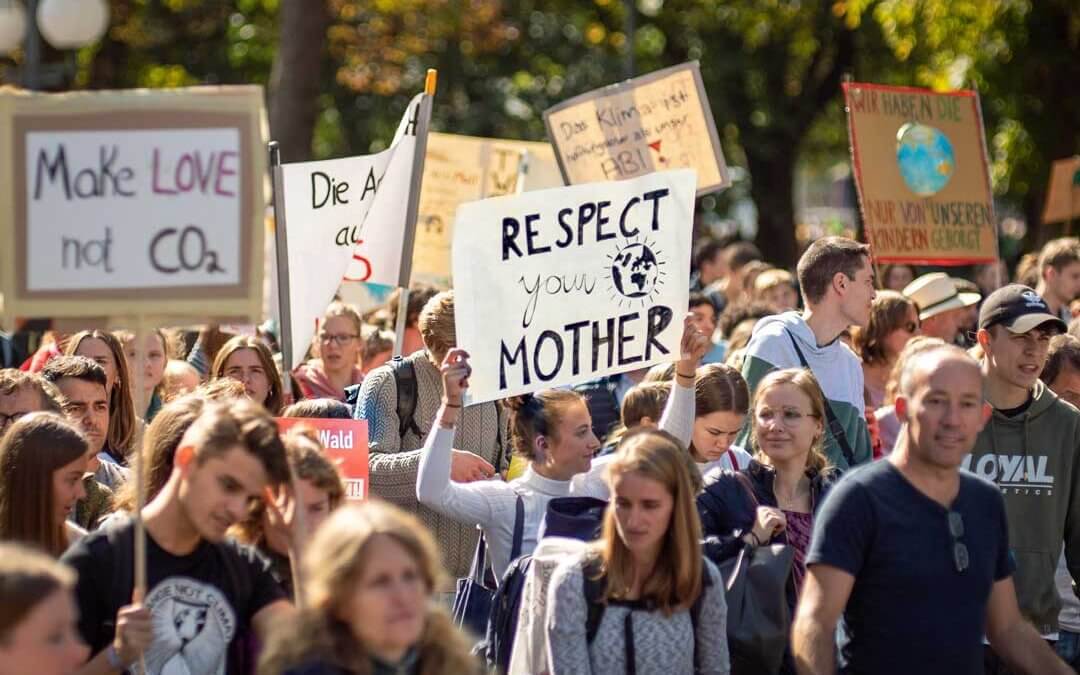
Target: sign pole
(281, 248)
(405, 270)
(138, 469)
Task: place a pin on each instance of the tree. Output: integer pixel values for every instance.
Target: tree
(295, 80)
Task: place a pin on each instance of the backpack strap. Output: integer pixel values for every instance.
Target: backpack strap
(628, 643)
(595, 603)
(405, 379)
(835, 428)
(519, 528)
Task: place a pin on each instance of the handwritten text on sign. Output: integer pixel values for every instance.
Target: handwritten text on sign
(656, 122)
(920, 164)
(569, 284)
(133, 209)
(345, 442)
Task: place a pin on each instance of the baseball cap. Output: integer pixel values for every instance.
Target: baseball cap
(1018, 308)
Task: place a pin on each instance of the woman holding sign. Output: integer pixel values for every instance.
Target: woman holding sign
(552, 429)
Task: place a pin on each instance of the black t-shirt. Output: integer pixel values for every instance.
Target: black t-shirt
(910, 611)
(200, 602)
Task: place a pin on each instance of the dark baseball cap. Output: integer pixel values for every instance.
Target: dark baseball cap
(1019, 309)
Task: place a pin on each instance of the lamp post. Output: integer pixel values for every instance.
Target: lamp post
(65, 24)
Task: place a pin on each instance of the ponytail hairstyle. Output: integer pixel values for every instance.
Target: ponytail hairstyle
(719, 388)
(805, 381)
(676, 581)
(539, 414)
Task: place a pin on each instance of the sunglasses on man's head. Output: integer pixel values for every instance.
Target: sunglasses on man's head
(960, 552)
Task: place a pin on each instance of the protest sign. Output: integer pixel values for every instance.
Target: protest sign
(655, 122)
(460, 169)
(132, 202)
(1063, 195)
(561, 286)
(345, 219)
(921, 172)
(345, 442)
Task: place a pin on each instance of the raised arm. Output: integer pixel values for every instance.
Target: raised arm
(678, 416)
(813, 636)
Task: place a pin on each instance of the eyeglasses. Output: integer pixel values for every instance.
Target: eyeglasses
(339, 340)
(959, 551)
(12, 418)
(789, 418)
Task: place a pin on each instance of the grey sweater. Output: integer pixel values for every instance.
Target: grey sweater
(661, 644)
(394, 460)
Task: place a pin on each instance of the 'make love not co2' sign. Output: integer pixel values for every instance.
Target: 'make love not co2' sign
(132, 202)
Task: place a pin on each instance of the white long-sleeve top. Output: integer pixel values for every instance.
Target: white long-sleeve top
(491, 504)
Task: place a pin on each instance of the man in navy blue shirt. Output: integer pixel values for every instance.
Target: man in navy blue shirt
(914, 553)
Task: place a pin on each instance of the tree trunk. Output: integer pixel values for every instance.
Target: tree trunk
(772, 186)
(295, 78)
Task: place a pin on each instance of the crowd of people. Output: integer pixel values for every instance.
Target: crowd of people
(895, 450)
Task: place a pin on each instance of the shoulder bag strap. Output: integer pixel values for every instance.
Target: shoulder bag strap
(519, 527)
(835, 428)
(628, 638)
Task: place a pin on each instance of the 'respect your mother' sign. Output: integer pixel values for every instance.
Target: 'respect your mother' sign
(132, 202)
(345, 442)
(921, 171)
(561, 286)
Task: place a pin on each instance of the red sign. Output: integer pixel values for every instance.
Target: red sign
(346, 443)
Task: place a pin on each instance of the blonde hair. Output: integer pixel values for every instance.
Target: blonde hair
(676, 582)
(437, 325)
(122, 417)
(804, 381)
(333, 564)
(771, 278)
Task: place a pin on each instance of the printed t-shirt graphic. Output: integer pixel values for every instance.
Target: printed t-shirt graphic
(193, 625)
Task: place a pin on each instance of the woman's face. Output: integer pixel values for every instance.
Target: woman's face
(153, 368)
(97, 350)
(783, 424)
(714, 433)
(643, 509)
(570, 451)
(47, 641)
(339, 344)
(244, 365)
(67, 486)
(894, 342)
(386, 609)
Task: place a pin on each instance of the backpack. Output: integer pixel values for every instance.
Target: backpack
(594, 584)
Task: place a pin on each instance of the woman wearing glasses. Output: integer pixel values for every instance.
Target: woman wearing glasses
(894, 319)
(338, 347)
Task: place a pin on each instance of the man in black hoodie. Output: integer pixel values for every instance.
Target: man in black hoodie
(1029, 448)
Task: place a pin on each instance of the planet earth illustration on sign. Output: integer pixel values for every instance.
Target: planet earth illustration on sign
(925, 157)
(635, 270)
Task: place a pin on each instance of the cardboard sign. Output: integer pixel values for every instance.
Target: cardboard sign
(570, 284)
(656, 122)
(921, 172)
(345, 442)
(345, 219)
(1063, 195)
(132, 202)
(461, 169)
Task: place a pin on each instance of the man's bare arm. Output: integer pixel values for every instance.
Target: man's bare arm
(813, 637)
(1014, 639)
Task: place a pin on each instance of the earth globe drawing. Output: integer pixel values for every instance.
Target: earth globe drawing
(925, 157)
(635, 270)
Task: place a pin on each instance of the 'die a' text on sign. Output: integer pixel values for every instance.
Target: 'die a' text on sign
(345, 442)
(561, 286)
(921, 171)
(128, 202)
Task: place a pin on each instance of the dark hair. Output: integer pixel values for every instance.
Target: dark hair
(1064, 354)
(740, 253)
(221, 427)
(538, 414)
(275, 398)
(76, 367)
(886, 272)
(735, 314)
(888, 312)
(27, 578)
(12, 380)
(699, 300)
(31, 450)
(826, 257)
(719, 388)
(706, 252)
(419, 294)
(321, 408)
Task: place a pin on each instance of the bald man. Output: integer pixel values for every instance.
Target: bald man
(914, 553)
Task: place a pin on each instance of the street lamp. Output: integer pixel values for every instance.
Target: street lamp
(65, 24)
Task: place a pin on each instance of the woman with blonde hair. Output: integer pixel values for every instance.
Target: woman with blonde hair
(370, 574)
(338, 345)
(642, 598)
(103, 347)
(247, 359)
(155, 356)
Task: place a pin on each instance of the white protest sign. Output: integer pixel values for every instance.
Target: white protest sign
(345, 219)
(561, 286)
(133, 202)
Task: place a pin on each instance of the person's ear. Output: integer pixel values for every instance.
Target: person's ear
(184, 458)
(987, 411)
(840, 282)
(983, 338)
(540, 447)
(901, 407)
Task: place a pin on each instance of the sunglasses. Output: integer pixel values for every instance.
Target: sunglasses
(959, 551)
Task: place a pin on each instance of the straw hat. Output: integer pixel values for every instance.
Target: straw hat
(935, 293)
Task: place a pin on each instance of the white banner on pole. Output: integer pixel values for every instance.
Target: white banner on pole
(562, 286)
(345, 219)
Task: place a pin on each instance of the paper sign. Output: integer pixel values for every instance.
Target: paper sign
(461, 169)
(345, 442)
(656, 122)
(345, 218)
(921, 171)
(132, 202)
(1063, 195)
(570, 284)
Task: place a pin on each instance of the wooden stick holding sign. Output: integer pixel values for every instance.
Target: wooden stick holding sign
(138, 472)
